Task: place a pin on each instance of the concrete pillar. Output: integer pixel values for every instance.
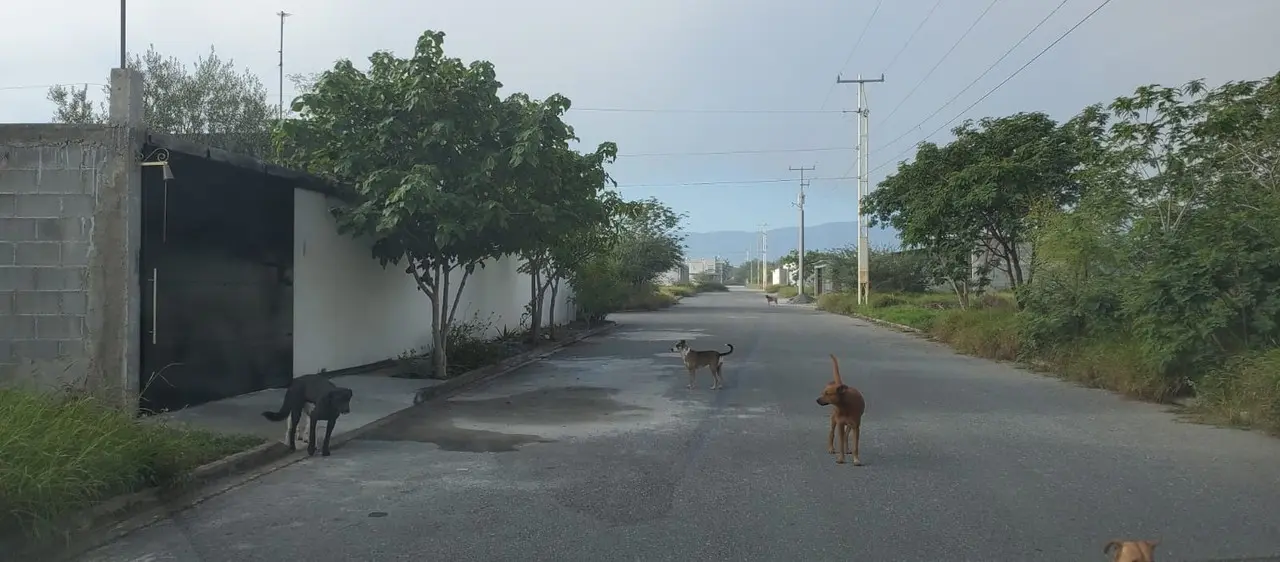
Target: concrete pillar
(115, 288)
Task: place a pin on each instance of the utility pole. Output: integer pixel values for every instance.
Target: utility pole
(124, 55)
(800, 296)
(864, 184)
(764, 254)
(283, 14)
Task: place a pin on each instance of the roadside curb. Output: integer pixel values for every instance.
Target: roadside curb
(886, 323)
(119, 516)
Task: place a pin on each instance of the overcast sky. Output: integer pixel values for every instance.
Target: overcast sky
(752, 56)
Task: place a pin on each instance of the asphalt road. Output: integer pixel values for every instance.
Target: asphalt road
(600, 453)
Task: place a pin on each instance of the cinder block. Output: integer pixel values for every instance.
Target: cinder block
(23, 157)
(15, 278)
(8, 253)
(18, 229)
(19, 181)
(73, 302)
(6, 302)
(62, 327)
(6, 353)
(38, 253)
(60, 279)
(17, 327)
(37, 302)
(35, 350)
(71, 348)
(62, 181)
(75, 253)
(8, 205)
(72, 229)
(77, 206)
(40, 206)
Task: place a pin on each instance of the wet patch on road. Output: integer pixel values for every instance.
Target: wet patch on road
(477, 425)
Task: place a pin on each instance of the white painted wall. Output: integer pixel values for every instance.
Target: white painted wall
(349, 311)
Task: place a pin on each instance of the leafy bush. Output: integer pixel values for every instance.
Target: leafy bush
(772, 289)
(710, 287)
(679, 290)
(648, 299)
(787, 291)
(882, 300)
(64, 454)
(838, 303)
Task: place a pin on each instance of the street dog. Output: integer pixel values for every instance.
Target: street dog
(848, 405)
(770, 299)
(328, 402)
(1131, 551)
(694, 360)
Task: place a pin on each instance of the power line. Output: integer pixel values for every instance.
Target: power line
(47, 86)
(729, 152)
(849, 56)
(1002, 82)
(731, 111)
(739, 182)
(939, 63)
(980, 76)
(911, 37)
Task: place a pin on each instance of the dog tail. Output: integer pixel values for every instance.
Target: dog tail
(278, 416)
(835, 369)
(1113, 545)
(730, 350)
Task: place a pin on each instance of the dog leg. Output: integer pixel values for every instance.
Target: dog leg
(328, 432)
(715, 376)
(311, 446)
(855, 431)
(691, 377)
(831, 437)
(295, 416)
(844, 443)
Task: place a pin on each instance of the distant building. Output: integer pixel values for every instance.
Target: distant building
(678, 275)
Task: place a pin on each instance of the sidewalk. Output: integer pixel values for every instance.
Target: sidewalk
(375, 397)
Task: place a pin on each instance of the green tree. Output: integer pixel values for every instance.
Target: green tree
(642, 240)
(424, 140)
(210, 102)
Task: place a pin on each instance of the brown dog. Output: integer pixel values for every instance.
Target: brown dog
(770, 299)
(1131, 551)
(848, 405)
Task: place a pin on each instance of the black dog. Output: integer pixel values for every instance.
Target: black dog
(329, 401)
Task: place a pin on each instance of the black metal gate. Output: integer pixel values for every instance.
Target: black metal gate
(217, 263)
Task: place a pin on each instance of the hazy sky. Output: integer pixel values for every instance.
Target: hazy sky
(748, 56)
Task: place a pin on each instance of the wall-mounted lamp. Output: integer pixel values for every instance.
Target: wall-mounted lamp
(159, 157)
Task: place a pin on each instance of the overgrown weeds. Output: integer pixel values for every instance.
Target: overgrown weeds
(1244, 392)
(62, 454)
(472, 344)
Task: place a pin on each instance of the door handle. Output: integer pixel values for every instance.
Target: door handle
(155, 289)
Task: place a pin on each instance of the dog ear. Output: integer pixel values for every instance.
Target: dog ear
(1112, 545)
(842, 388)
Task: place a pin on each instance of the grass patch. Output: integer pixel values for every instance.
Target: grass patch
(786, 291)
(711, 287)
(63, 454)
(771, 288)
(681, 291)
(1243, 393)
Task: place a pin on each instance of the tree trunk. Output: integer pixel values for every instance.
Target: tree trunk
(551, 309)
(439, 324)
(535, 306)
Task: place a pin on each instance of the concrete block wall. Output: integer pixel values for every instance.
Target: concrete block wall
(49, 183)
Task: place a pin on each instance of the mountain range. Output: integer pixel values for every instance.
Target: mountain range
(734, 244)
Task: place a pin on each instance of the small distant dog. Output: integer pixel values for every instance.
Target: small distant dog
(849, 405)
(1131, 551)
(327, 400)
(694, 360)
(770, 299)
